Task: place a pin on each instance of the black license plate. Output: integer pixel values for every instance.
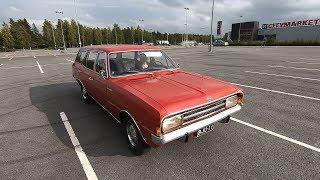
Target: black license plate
(205, 130)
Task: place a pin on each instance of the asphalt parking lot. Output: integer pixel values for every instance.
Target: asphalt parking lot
(275, 136)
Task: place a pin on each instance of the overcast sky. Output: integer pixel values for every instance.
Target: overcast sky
(162, 15)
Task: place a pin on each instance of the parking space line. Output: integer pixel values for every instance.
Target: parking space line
(298, 68)
(279, 92)
(311, 63)
(1, 65)
(39, 67)
(277, 135)
(70, 60)
(80, 153)
(10, 58)
(280, 75)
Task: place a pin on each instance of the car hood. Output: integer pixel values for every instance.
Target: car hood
(181, 90)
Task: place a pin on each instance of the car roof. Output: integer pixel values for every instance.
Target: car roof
(120, 48)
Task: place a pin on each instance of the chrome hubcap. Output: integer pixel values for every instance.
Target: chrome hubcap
(84, 93)
(132, 134)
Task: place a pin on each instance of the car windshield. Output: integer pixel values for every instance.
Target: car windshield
(126, 63)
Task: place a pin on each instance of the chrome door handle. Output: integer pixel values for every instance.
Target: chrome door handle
(109, 89)
(90, 78)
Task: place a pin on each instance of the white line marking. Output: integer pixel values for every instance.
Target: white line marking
(70, 60)
(302, 62)
(77, 147)
(295, 68)
(1, 65)
(277, 135)
(279, 92)
(39, 67)
(280, 75)
(34, 57)
(10, 58)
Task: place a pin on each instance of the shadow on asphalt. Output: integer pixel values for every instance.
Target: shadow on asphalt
(98, 132)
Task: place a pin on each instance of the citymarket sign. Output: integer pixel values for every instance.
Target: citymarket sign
(311, 22)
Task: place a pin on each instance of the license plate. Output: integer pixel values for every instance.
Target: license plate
(205, 130)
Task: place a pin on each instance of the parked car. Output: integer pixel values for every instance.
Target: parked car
(220, 42)
(151, 96)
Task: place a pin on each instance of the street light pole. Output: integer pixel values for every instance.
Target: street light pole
(186, 38)
(76, 16)
(141, 20)
(54, 38)
(64, 42)
(211, 29)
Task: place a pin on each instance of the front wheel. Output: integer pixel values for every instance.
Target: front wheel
(134, 138)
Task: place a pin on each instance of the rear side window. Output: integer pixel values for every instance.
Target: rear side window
(91, 59)
(100, 64)
(82, 57)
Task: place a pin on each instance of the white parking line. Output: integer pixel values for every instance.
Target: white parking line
(298, 68)
(10, 58)
(280, 75)
(302, 62)
(1, 65)
(77, 147)
(279, 92)
(277, 135)
(39, 67)
(70, 60)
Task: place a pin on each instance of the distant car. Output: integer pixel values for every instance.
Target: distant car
(220, 43)
(150, 96)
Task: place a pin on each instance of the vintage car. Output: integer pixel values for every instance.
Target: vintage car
(153, 99)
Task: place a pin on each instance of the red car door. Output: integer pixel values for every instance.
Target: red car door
(89, 72)
(100, 78)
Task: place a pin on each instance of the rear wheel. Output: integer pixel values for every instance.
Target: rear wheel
(134, 139)
(85, 96)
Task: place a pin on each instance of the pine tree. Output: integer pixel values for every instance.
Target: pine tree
(36, 37)
(8, 41)
(47, 34)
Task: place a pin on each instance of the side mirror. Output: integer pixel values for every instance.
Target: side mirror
(103, 74)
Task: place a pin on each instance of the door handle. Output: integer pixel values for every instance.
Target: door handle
(109, 89)
(90, 78)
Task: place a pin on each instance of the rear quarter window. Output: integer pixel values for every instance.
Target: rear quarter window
(91, 60)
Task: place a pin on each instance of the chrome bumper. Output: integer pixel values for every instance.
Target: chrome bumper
(193, 127)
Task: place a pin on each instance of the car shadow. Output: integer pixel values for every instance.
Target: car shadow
(98, 132)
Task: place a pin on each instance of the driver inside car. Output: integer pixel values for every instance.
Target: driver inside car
(143, 64)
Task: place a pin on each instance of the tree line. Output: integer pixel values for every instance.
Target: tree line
(19, 34)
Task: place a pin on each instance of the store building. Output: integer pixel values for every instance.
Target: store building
(246, 31)
(307, 30)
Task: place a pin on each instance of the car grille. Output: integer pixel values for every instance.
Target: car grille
(203, 112)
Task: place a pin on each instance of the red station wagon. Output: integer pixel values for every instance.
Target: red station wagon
(150, 96)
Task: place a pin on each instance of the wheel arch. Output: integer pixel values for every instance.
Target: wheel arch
(124, 116)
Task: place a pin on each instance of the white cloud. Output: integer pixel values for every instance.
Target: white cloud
(14, 9)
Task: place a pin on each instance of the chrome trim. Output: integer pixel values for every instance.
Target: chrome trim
(179, 133)
(188, 109)
(135, 124)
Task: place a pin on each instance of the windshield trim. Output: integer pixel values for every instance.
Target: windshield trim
(140, 73)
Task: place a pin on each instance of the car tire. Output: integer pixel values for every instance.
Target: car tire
(134, 138)
(85, 96)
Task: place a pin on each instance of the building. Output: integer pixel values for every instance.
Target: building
(246, 31)
(307, 30)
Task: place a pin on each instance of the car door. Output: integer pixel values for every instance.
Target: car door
(88, 73)
(100, 78)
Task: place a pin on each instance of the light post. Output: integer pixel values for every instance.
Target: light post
(115, 33)
(141, 20)
(76, 16)
(64, 42)
(211, 28)
(54, 38)
(239, 35)
(186, 38)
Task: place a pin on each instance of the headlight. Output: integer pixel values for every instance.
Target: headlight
(232, 101)
(171, 123)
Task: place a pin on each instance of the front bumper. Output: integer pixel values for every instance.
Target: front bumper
(179, 133)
